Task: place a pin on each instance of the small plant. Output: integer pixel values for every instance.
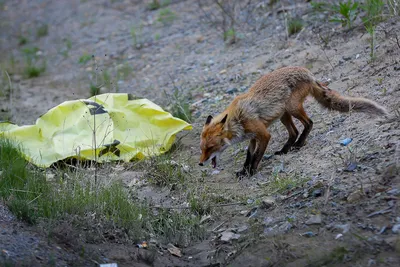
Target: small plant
(164, 171)
(318, 6)
(68, 46)
(94, 90)
(347, 13)
(32, 59)
(230, 35)
(155, 4)
(157, 36)
(136, 33)
(394, 7)
(179, 106)
(22, 40)
(85, 58)
(373, 10)
(42, 31)
(124, 72)
(166, 16)
(294, 26)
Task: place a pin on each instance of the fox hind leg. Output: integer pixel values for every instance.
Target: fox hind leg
(286, 120)
(301, 115)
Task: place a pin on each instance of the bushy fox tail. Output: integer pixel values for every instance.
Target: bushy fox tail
(333, 100)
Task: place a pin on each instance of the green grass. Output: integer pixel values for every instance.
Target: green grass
(164, 171)
(282, 183)
(94, 90)
(22, 40)
(346, 13)
(32, 60)
(42, 31)
(373, 16)
(85, 58)
(156, 4)
(179, 106)
(31, 198)
(166, 16)
(295, 25)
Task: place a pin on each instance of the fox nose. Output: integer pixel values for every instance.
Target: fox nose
(201, 163)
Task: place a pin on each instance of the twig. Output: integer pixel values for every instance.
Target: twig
(379, 212)
(218, 226)
(11, 92)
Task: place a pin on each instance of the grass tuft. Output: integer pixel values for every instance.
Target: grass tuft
(295, 25)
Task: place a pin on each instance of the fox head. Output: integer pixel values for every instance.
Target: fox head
(214, 140)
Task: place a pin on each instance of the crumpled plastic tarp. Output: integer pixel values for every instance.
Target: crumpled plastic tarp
(120, 127)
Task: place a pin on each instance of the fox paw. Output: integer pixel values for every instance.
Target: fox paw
(244, 173)
(280, 152)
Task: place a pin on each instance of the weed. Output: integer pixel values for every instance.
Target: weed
(68, 46)
(166, 16)
(124, 71)
(230, 35)
(136, 34)
(373, 10)
(155, 4)
(295, 25)
(318, 6)
(280, 184)
(200, 205)
(31, 59)
(157, 36)
(347, 13)
(85, 58)
(42, 31)
(94, 90)
(394, 7)
(179, 105)
(22, 40)
(164, 171)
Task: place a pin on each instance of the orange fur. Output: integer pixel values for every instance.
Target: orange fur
(276, 95)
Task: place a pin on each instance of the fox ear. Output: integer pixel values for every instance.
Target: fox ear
(224, 119)
(209, 118)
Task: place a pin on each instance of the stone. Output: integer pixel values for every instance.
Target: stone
(174, 250)
(227, 236)
(314, 219)
(267, 202)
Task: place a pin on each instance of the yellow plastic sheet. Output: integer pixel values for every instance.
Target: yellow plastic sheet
(103, 128)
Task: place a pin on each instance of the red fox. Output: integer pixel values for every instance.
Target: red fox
(277, 95)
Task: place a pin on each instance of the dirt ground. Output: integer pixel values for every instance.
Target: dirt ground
(344, 212)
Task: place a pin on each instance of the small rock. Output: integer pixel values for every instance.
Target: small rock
(308, 234)
(314, 219)
(397, 67)
(252, 212)
(285, 227)
(345, 79)
(338, 236)
(222, 71)
(267, 221)
(242, 229)
(351, 167)
(174, 250)
(371, 262)
(267, 202)
(396, 228)
(344, 227)
(232, 90)
(346, 58)
(215, 172)
(317, 193)
(355, 196)
(250, 201)
(227, 236)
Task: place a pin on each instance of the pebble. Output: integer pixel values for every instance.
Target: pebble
(285, 227)
(227, 236)
(215, 172)
(267, 202)
(308, 234)
(232, 90)
(314, 219)
(397, 67)
(317, 193)
(344, 227)
(396, 228)
(355, 196)
(346, 58)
